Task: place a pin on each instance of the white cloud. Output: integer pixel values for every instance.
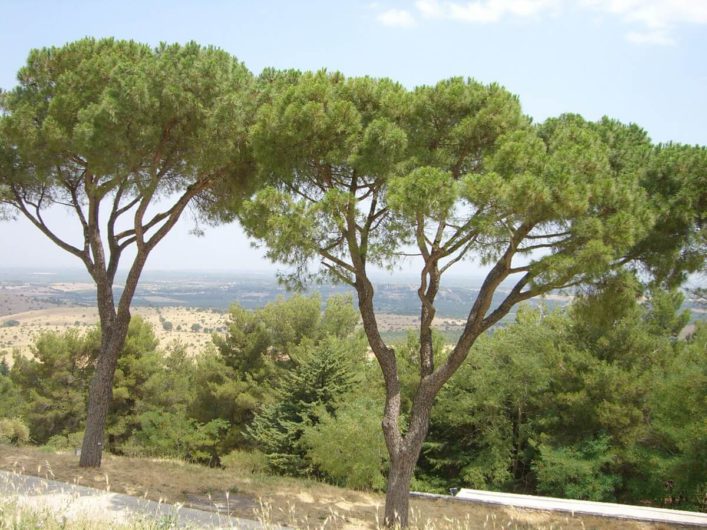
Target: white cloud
(397, 18)
(654, 13)
(429, 8)
(484, 11)
(656, 36)
(656, 20)
(650, 21)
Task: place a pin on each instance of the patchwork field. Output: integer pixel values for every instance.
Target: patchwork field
(180, 306)
(191, 327)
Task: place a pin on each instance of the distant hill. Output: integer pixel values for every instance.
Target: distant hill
(22, 289)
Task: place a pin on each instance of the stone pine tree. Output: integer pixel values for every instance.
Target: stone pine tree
(367, 173)
(125, 138)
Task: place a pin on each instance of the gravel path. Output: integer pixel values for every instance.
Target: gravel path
(82, 503)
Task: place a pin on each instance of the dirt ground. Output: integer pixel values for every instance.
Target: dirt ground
(296, 503)
(393, 322)
(30, 324)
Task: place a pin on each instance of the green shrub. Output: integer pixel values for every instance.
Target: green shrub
(65, 442)
(174, 435)
(245, 462)
(349, 447)
(577, 472)
(13, 431)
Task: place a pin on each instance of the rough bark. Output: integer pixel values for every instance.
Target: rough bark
(100, 394)
(114, 329)
(397, 496)
(404, 451)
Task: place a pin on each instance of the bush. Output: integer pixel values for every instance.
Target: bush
(166, 325)
(580, 472)
(65, 442)
(174, 435)
(52, 385)
(245, 462)
(349, 447)
(13, 431)
(10, 323)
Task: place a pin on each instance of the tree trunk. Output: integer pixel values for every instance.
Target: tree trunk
(100, 394)
(114, 330)
(397, 496)
(404, 452)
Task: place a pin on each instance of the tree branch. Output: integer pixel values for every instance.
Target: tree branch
(420, 237)
(36, 220)
(340, 275)
(93, 227)
(475, 320)
(115, 248)
(548, 236)
(459, 256)
(544, 245)
(337, 261)
(516, 270)
(515, 296)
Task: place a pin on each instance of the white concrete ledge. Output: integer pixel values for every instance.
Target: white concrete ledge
(602, 509)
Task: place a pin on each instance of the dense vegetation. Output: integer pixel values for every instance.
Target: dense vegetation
(598, 402)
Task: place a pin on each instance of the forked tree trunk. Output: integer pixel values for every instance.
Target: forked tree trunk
(403, 459)
(114, 330)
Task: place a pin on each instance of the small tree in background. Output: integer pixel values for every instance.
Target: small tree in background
(325, 372)
(366, 172)
(263, 348)
(125, 137)
(53, 383)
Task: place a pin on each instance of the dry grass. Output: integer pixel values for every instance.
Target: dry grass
(27, 513)
(394, 322)
(300, 503)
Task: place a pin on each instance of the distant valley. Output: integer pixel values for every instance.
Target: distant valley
(193, 303)
(24, 290)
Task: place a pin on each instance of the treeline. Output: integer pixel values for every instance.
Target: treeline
(264, 397)
(599, 402)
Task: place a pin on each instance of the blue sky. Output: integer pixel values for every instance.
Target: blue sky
(639, 61)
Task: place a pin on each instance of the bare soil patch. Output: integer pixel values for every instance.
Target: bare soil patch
(17, 301)
(182, 321)
(393, 322)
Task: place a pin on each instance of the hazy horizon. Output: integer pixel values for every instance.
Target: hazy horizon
(10, 273)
